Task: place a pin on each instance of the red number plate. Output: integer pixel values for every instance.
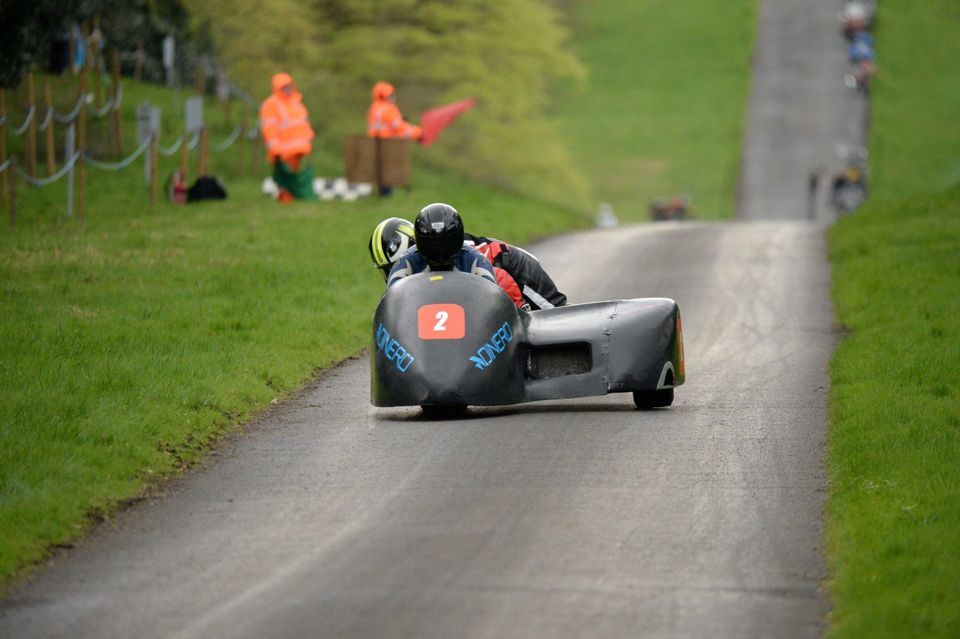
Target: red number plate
(441, 321)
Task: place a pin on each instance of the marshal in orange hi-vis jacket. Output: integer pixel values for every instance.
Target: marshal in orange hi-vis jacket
(384, 119)
(284, 124)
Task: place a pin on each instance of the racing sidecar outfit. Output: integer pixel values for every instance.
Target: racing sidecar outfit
(469, 260)
(537, 288)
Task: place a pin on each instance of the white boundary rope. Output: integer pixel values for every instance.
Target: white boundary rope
(173, 148)
(72, 115)
(111, 105)
(46, 120)
(194, 141)
(48, 180)
(226, 144)
(122, 164)
(26, 122)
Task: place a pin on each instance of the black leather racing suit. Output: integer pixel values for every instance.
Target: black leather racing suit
(535, 285)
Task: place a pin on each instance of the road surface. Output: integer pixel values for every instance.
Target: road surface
(800, 113)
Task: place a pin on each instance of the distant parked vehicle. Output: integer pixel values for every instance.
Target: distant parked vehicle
(848, 190)
(677, 207)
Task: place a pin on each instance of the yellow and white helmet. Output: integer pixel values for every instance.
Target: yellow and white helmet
(392, 238)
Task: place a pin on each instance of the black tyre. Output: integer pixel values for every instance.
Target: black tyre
(646, 400)
(443, 412)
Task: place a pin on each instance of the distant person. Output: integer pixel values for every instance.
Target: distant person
(855, 16)
(287, 134)
(863, 57)
(861, 48)
(384, 119)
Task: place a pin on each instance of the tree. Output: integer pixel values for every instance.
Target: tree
(508, 54)
(255, 39)
(27, 26)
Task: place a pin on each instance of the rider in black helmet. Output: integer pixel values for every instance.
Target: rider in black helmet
(439, 233)
(438, 230)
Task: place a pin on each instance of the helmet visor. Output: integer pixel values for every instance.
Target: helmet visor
(440, 251)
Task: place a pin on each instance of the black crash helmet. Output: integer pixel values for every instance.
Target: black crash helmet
(439, 233)
(392, 238)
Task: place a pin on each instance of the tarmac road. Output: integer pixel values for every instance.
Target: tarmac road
(800, 114)
(583, 518)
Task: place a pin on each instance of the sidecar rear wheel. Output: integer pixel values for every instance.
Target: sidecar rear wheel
(646, 400)
(455, 411)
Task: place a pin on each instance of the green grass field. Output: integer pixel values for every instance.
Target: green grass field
(664, 105)
(914, 131)
(894, 508)
(893, 512)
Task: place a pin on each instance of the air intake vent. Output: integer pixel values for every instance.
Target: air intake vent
(558, 360)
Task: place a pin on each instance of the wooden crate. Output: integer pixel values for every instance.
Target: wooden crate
(383, 162)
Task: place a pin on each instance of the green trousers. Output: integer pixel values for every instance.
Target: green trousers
(300, 184)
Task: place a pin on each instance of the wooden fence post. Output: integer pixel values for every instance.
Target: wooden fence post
(51, 153)
(228, 110)
(244, 124)
(257, 156)
(202, 162)
(73, 53)
(81, 166)
(32, 129)
(13, 196)
(184, 158)
(4, 176)
(377, 167)
(117, 138)
(94, 43)
(138, 68)
(154, 157)
(200, 79)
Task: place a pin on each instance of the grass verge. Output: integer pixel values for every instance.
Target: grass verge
(894, 506)
(915, 103)
(664, 105)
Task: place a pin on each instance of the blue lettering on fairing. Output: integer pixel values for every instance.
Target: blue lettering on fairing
(488, 352)
(392, 350)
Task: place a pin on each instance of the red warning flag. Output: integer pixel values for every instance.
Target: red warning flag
(436, 120)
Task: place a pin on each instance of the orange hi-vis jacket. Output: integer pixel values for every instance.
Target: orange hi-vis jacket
(283, 122)
(384, 119)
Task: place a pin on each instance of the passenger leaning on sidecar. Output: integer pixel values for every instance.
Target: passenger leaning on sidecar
(438, 232)
(536, 287)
